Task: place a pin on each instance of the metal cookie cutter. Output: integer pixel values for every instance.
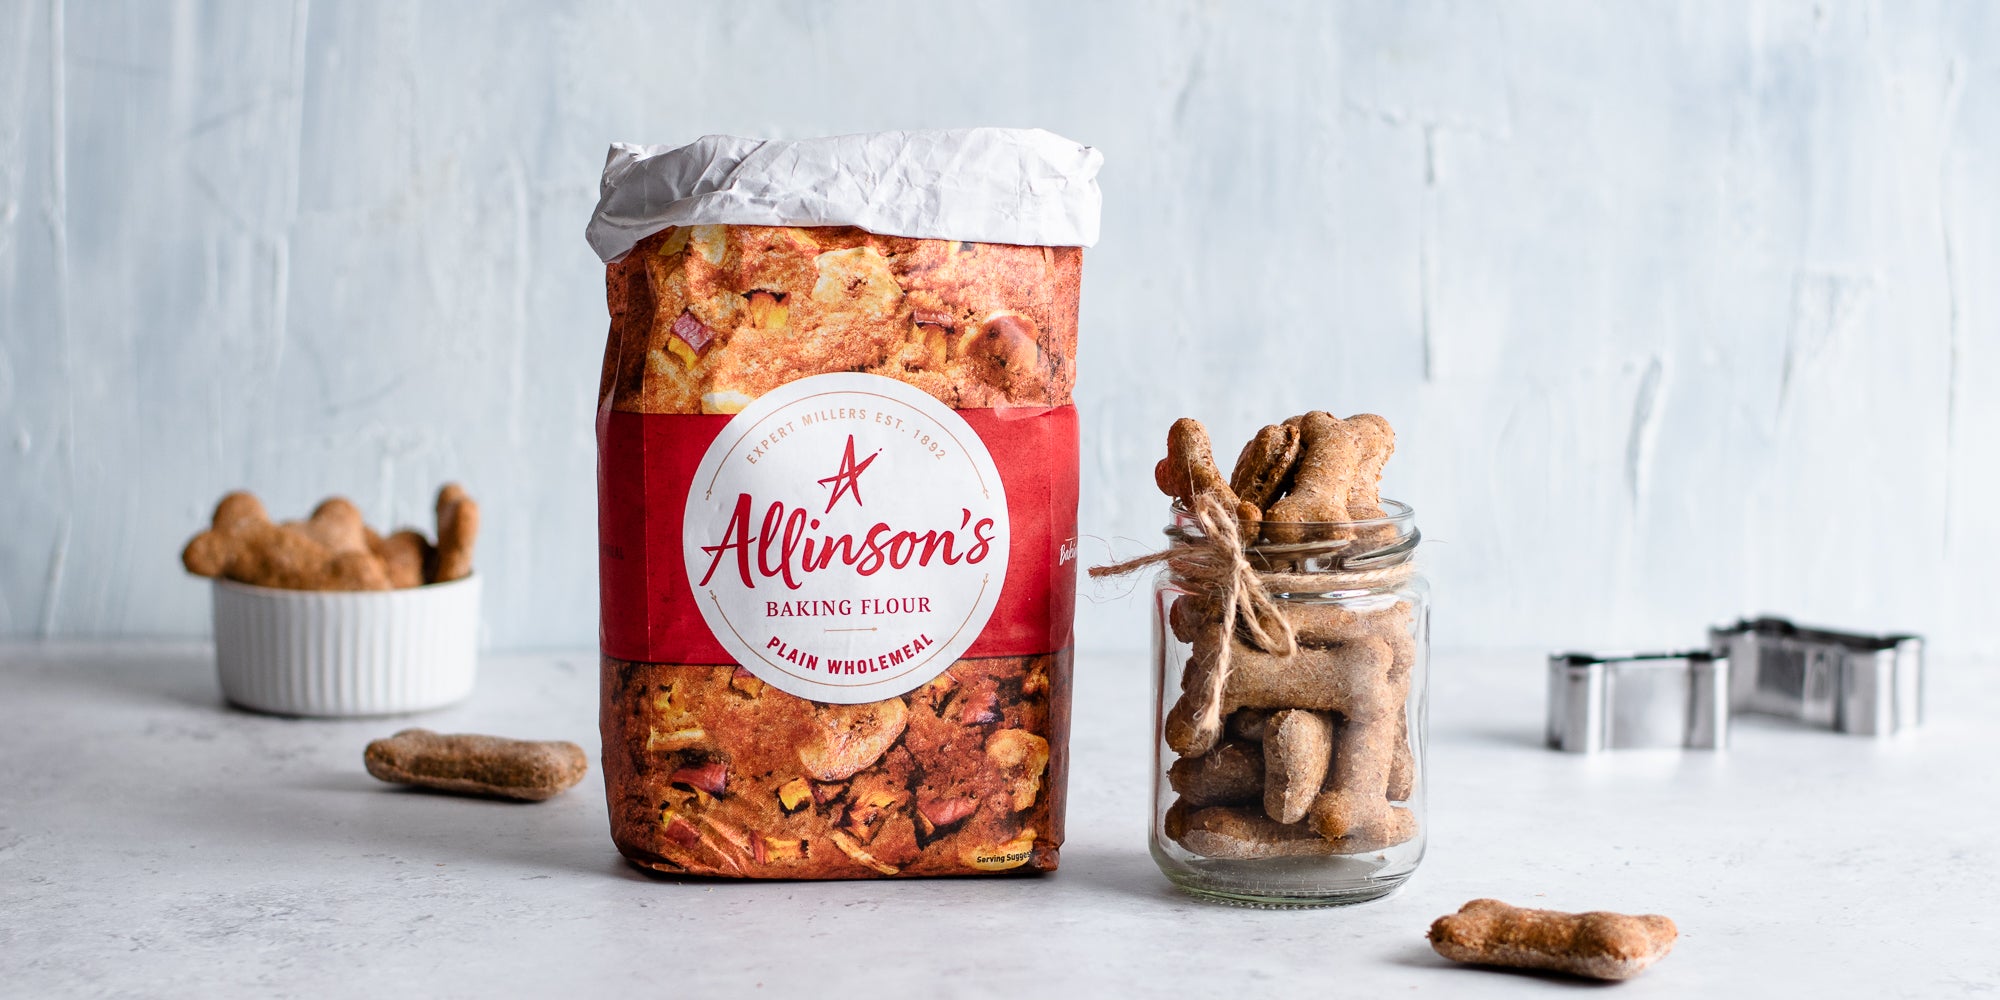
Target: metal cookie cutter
(1871, 685)
(1617, 701)
(1852, 683)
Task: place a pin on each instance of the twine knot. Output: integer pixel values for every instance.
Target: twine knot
(1215, 563)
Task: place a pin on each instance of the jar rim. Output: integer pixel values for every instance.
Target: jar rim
(1320, 546)
(1395, 514)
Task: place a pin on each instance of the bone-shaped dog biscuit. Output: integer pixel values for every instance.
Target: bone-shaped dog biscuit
(1189, 615)
(337, 524)
(1193, 616)
(1350, 677)
(1320, 623)
(1403, 765)
(238, 509)
(1599, 945)
(1189, 472)
(471, 764)
(242, 544)
(1357, 801)
(404, 555)
(1298, 747)
(1328, 452)
(1375, 442)
(1245, 833)
(1233, 772)
(457, 532)
(1265, 465)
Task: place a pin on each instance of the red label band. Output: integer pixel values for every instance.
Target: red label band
(646, 461)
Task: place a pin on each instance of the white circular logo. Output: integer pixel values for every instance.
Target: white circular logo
(846, 537)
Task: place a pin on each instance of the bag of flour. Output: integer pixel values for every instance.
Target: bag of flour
(837, 483)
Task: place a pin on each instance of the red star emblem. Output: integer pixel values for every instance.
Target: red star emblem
(848, 479)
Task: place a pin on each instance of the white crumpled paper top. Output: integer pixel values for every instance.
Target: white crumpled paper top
(986, 185)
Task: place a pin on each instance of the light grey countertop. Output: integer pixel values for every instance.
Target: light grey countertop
(155, 842)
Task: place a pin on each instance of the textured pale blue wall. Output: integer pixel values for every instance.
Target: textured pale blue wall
(1682, 309)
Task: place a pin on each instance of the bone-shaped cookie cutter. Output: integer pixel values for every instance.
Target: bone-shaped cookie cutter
(1848, 682)
(1616, 701)
(1870, 685)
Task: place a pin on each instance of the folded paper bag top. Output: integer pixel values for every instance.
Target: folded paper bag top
(991, 185)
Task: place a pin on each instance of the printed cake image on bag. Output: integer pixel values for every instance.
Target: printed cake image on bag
(837, 483)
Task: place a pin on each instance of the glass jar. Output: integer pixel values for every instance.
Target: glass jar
(1293, 777)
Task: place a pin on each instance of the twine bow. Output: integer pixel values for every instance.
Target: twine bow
(1216, 563)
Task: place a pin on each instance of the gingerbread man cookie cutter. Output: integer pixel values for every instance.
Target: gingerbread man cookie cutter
(1848, 682)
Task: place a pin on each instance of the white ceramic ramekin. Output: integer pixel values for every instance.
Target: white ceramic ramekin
(345, 653)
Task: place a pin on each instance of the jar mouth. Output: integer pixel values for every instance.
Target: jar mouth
(1395, 513)
(1352, 544)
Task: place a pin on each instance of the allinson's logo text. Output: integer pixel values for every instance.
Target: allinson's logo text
(788, 542)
